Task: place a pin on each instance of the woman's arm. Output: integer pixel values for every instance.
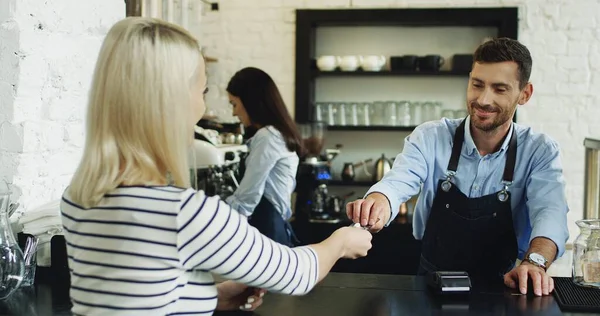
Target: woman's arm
(214, 238)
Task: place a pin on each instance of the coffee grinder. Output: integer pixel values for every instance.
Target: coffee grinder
(314, 174)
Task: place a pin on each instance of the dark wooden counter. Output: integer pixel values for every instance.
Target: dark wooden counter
(339, 294)
(396, 295)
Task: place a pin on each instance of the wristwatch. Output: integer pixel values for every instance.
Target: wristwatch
(537, 260)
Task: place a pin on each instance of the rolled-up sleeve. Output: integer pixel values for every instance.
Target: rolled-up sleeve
(404, 180)
(546, 197)
(261, 159)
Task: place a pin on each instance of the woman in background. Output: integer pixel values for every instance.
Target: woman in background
(140, 241)
(264, 193)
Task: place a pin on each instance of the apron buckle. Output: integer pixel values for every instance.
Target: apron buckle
(503, 195)
(446, 185)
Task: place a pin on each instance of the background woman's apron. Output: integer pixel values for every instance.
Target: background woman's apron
(268, 220)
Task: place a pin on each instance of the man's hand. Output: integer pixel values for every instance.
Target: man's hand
(543, 284)
(373, 211)
(232, 296)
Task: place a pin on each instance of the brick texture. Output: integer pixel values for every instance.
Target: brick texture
(48, 49)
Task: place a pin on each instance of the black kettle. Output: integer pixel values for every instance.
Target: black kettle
(382, 166)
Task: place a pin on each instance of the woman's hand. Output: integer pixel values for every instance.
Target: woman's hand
(355, 242)
(233, 295)
(346, 242)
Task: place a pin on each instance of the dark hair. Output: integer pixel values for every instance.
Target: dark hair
(506, 49)
(264, 104)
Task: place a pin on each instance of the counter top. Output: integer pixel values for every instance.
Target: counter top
(391, 295)
(338, 294)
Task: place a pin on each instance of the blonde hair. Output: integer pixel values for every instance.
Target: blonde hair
(138, 126)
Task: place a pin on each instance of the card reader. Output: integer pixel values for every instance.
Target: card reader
(449, 282)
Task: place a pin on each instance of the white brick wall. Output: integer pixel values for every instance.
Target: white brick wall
(561, 34)
(48, 50)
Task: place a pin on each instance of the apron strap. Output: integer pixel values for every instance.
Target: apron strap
(459, 137)
(511, 155)
(511, 158)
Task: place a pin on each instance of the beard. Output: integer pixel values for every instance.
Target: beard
(496, 116)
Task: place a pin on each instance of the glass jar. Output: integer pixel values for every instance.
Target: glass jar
(428, 108)
(586, 254)
(416, 116)
(390, 116)
(437, 110)
(364, 114)
(12, 267)
(404, 118)
(320, 112)
(340, 114)
(352, 114)
(377, 113)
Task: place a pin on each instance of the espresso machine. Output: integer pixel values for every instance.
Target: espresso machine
(313, 201)
(312, 193)
(216, 169)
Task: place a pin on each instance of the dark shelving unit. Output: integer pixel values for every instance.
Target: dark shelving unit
(503, 19)
(399, 73)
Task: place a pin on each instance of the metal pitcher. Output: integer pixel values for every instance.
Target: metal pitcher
(382, 166)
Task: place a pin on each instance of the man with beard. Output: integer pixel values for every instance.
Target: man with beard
(491, 191)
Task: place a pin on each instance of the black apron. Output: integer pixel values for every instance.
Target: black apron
(475, 235)
(269, 221)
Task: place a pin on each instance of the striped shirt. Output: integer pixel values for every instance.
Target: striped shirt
(150, 250)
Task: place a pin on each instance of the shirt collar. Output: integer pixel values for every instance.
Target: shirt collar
(470, 144)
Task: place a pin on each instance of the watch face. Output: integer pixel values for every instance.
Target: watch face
(537, 258)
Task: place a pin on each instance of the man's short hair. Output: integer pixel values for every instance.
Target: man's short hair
(506, 49)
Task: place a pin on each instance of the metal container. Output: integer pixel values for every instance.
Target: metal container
(591, 193)
(382, 166)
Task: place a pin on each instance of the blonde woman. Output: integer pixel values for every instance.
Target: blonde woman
(140, 241)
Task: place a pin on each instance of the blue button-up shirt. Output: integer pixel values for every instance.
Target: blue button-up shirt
(538, 200)
(270, 171)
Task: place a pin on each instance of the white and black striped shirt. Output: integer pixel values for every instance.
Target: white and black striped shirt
(151, 251)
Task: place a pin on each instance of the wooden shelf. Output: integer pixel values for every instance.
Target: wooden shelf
(352, 184)
(391, 73)
(371, 128)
